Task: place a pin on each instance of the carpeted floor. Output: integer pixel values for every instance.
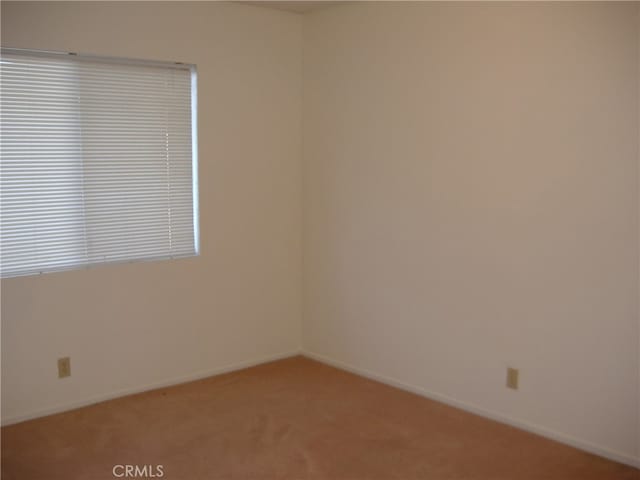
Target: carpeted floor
(291, 419)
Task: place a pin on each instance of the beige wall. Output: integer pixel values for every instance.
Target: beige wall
(471, 202)
(130, 326)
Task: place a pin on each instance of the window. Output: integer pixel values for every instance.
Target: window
(98, 161)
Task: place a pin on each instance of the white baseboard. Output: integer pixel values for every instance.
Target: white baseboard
(139, 389)
(542, 431)
(538, 430)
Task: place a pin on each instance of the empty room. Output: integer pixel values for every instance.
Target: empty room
(328, 240)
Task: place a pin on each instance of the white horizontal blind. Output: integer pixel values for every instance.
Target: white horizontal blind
(98, 161)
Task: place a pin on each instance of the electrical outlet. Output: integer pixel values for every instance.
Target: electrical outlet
(64, 367)
(512, 378)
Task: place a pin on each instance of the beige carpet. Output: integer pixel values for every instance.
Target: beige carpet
(291, 419)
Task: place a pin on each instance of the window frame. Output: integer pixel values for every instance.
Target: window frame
(103, 59)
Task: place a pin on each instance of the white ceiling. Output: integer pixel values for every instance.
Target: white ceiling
(291, 6)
